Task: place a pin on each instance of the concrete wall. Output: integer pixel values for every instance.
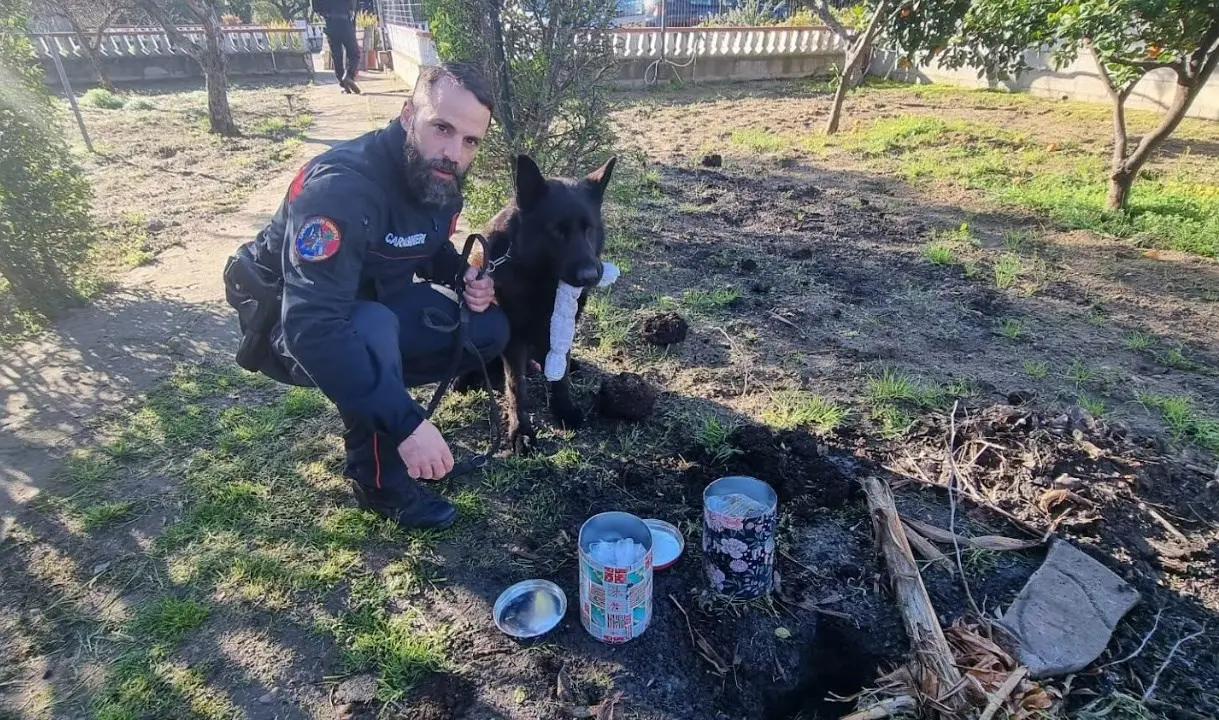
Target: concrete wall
(133, 68)
(1076, 81)
(631, 72)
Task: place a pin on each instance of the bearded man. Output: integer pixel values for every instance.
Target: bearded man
(333, 292)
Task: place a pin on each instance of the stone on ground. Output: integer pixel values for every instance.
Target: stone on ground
(1065, 615)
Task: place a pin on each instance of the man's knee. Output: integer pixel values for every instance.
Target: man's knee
(490, 332)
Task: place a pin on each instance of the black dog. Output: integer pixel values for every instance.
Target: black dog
(552, 230)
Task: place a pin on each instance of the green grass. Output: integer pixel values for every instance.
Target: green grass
(798, 408)
(1013, 328)
(1094, 405)
(712, 437)
(609, 324)
(895, 386)
(1036, 369)
(892, 421)
(703, 302)
(1008, 269)
(102, 99)
(169, 621)
(1137, 340)
(1184, 419)
(282, 128)
(759, 140)
(940, 253)
(1171, 209)
(107, 513)
(1079, 372)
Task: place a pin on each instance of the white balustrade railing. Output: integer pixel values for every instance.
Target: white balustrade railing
(137, 42)
(646, 43)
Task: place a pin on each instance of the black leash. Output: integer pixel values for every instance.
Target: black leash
(437, 320)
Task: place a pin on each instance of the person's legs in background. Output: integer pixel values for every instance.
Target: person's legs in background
(353, 57)
(334, 39)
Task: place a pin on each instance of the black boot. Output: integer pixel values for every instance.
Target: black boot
(408, 504)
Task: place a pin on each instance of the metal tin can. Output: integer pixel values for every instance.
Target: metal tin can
(615, 600)
(740, 517)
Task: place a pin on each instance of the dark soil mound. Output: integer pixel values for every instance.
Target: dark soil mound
(665, 329)
(627, 396)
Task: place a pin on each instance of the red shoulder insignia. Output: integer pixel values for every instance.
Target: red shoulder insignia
(298, 183)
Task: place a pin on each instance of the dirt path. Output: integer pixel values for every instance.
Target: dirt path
(160, 314)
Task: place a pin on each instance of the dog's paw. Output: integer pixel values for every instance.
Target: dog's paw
(567, 415)
(523, 442)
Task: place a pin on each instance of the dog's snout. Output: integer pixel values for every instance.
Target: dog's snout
(589, 274)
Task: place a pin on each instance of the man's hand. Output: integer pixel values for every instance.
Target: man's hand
(478, 292)
(426, 454)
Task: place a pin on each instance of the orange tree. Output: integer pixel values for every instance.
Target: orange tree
(1127, 38)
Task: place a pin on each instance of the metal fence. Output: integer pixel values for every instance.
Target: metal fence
(403, 13)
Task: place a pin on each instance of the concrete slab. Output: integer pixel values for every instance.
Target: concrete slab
(1065, 615)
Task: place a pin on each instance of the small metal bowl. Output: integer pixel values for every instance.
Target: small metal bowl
(667, 543)
(530, 608)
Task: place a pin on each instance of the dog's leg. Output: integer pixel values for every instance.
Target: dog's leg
(521, 434)
(561, 405)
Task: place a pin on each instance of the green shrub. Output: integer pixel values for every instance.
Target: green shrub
(102, 99)
(45, 226)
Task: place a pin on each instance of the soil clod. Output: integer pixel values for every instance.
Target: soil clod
(748, 265)
(713, 160)
(665, 329)
(627, 396)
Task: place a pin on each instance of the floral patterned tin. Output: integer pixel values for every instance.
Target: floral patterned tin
(615, 601)
(740, 517)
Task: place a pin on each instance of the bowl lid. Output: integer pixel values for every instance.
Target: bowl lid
(530, 608)
(667, 543)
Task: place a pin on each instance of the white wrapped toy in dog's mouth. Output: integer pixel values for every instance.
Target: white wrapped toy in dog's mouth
(563, 321)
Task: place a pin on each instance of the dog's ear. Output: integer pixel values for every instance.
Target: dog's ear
(598, 179)
(530, 185)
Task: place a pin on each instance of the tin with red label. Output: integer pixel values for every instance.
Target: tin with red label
(615, 576)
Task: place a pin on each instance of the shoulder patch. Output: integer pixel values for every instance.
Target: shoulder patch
(298, 183)
(317, 240)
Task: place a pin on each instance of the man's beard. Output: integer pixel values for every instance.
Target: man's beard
(427, 188)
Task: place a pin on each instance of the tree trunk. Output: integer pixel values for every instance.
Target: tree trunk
(216, 77)
(1126, 169)
(857, 51)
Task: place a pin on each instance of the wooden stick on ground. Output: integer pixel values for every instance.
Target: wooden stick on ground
(1000, 695)
(929, 552)
(922, 625)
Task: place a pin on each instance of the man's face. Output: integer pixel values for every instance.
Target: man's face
(444, 129)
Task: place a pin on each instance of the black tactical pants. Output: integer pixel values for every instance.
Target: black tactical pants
(412, 355)
(341, 34)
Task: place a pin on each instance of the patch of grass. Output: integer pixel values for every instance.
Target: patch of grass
(88, 468)
(485, 198)
(1175, 359)
(710, 302)
(101, 99)
(282, 128)
(1036, 369)
(169, 620)
(1008, 269)
(140, 104)
(896, 386)
(1079, 372)
(107, 513)
(940, 253)
(1094, 405)
(759, 140)
(1170, 209)
(712, 437)
(611, 325)
(1137, 340)
(1013, 328)
(1184, 419)
(393, 645)
(798, 408)
(979, 561)
(149, 686)
(893, 421)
